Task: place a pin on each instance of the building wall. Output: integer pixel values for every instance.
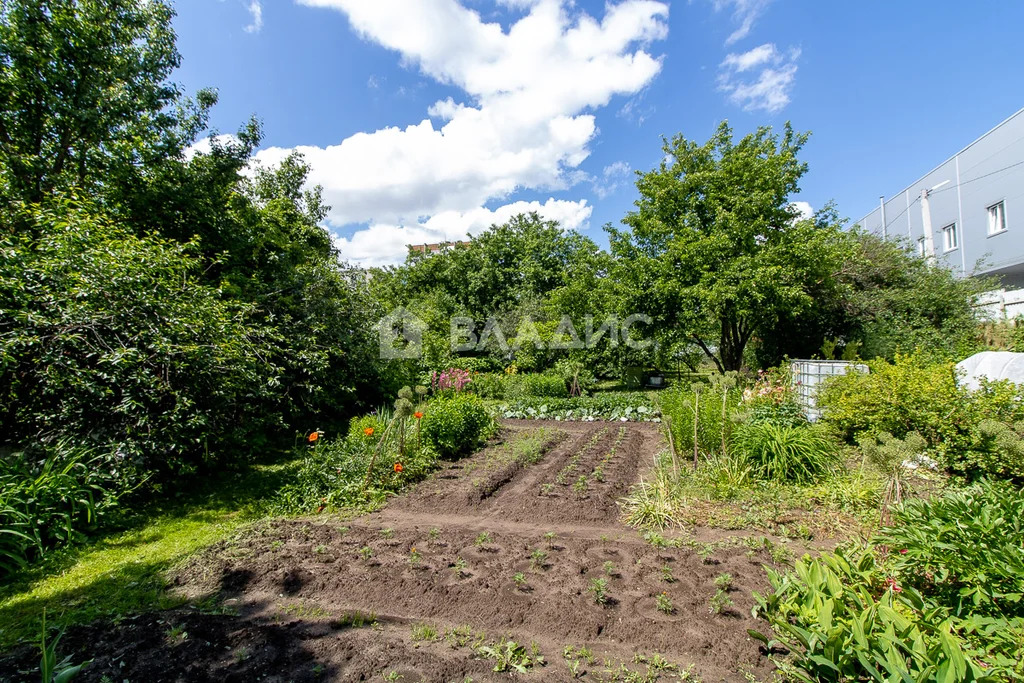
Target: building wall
(989, 170)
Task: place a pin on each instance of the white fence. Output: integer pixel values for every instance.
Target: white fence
(809, 375)
(1001, 304)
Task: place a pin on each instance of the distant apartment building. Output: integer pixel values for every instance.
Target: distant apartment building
(434, 248)
(969, 209)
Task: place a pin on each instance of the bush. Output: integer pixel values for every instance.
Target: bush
(489, 385)
(971, 433)
(455, 425)
(943, 604)
(963, 549)
(49, 498)
(110, 338)
(908, 395)
(535, 385)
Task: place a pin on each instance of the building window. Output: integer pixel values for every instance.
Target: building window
(996, 218)
(949, 238)
(920, 247)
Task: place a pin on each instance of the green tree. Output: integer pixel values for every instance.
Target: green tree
(527, 267)
(84, 96)
(714, 248)
(899, 302)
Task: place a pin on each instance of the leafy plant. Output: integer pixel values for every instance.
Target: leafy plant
(508, 654)
(455, 425)
(664, 603)
(629, 406)
(720, 601)
(50, 501)
(425, 632)
(723, 582)
(482, 539)
(54, 671)
(599, 589)
(459, 567)
(519, 579)
(943, 604)
(962, 549)
(784, 453)
(538, 559)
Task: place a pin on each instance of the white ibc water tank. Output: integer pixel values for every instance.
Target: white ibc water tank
(991, 365)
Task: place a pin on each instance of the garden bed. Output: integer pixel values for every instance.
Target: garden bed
(437, 585)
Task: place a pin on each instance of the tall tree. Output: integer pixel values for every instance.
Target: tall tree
(714, 248)
(84, 95)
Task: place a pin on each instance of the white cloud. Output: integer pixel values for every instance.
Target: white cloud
(748, 60)
(745, 13)
(205, 145)
(256, 10)
(804, 209)
(613, 177)
(770, 90)
(527, 120)
(385, 243)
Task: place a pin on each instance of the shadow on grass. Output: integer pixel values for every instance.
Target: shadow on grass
(123, 570)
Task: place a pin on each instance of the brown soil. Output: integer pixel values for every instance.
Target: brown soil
(298, 596)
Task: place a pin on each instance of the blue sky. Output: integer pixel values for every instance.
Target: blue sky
(425, 119)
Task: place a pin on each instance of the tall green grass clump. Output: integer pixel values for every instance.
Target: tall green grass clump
(781, 452)
(701, 418)
(51, 496)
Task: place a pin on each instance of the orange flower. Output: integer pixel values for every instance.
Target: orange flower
(398, 467)
(417, 414)
(368, 431)
(314, 436)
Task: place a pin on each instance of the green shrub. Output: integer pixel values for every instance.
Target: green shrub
(913, 395)
(357, 426)
(787, 413)
(944, 603)
(535, 385)
(111, 338)
(963, 549)
(455, 425)
(49, 498)
(489, 385)
(907, 395)
(785, 453)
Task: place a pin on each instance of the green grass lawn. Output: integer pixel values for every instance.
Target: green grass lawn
(124, 571)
